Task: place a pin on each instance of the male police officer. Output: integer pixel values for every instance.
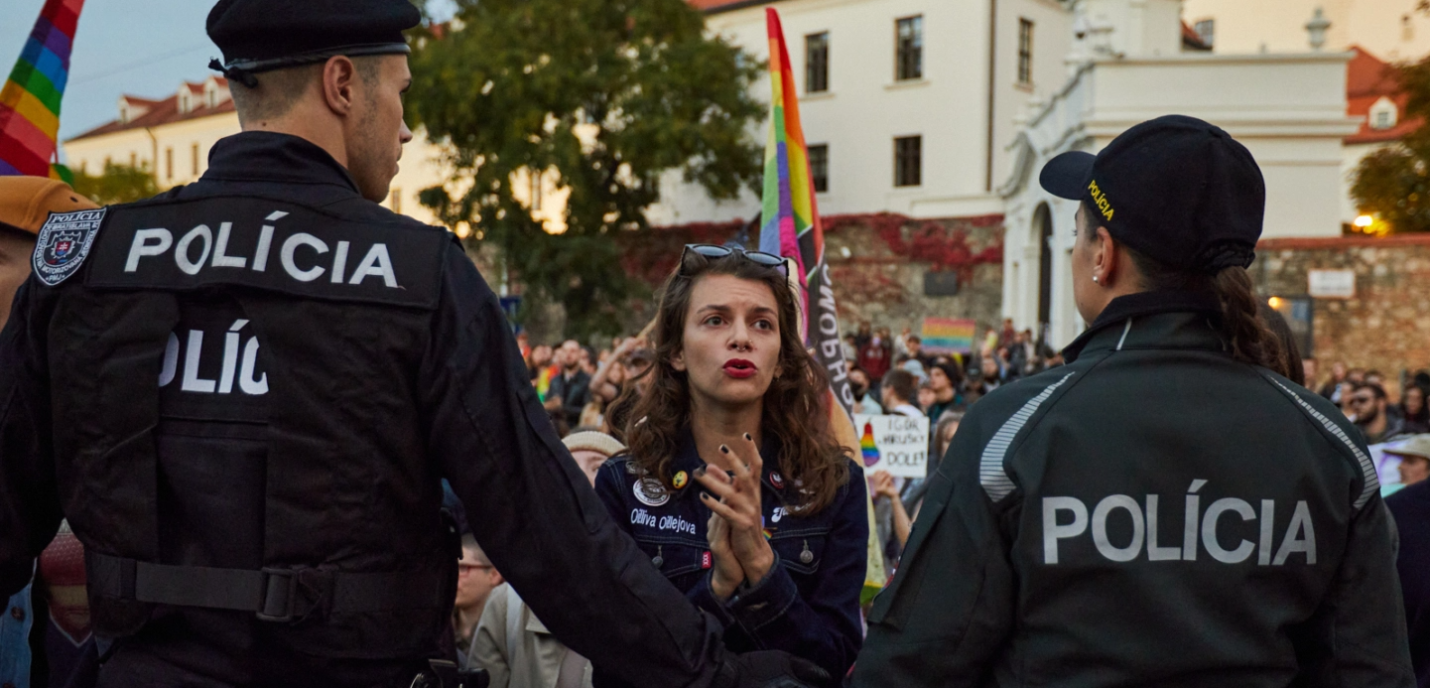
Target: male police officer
(243, 395)
(1164, 510)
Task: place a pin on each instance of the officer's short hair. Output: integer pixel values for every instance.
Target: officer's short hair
(902, 383)
(279, 90)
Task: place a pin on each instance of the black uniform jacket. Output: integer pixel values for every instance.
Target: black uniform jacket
(1154, 513)
(808, 605)
(246, 398)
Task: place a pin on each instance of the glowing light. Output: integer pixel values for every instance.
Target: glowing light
(1275, 302)
(1364, 221)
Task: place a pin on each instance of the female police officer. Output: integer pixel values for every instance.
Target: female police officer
(1078, 535)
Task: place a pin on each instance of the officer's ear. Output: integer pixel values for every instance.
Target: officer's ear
(340, 77)
(1108, 260)
(677, 360)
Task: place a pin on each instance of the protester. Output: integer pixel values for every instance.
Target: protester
(945, 378)
(1331, 390)
(863, 395)
(849, 349)
(1412, 411)
(775, 544)
(476, 579)
(45, 634)
(886, 491)
(899, 391)
(1049, 560)
(1368, 401)
(1287, 348)
(927, 397)
(1411, 509)
(512, 645)
(877, 354)
(1414, 457)
(571, 389)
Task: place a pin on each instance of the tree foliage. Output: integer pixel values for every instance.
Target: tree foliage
(117, 184)
(602, 95)
(1394, 182)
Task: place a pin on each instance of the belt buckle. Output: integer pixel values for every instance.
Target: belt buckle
(278, 596)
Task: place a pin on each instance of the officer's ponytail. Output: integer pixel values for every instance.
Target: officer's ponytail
(1245, 334)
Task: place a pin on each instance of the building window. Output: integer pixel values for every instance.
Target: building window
(212, 98)
(816, 63)
(1206, 31)
(1384, 114)
(195, 151)
(1025, 52)
(168, 163)
(819, 167)
(908, 161)
(910, 55)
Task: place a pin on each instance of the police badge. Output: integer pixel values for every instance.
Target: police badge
(64, 242)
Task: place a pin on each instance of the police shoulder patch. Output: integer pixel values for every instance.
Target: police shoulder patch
(64, 242)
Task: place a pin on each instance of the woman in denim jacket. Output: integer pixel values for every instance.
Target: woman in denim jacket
(734, 485)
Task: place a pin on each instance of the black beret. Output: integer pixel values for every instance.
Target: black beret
(260, 35)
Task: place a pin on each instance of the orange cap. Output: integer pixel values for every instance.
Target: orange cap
(26, 202)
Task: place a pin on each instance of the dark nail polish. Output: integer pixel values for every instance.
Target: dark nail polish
(748, 438)
(724, 449)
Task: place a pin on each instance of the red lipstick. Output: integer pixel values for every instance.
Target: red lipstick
(740, 369)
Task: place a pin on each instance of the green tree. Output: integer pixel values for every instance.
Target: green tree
(1394, 182)
(602, 96)
(117, 184)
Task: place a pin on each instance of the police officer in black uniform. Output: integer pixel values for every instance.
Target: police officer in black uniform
(244, 394)
(1165, 510)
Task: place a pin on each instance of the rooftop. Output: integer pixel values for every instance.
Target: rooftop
(1368, 79)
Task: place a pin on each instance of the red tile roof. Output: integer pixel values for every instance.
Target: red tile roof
(1191, 41)
(160, 112)
(720, 5)
(1368, 79)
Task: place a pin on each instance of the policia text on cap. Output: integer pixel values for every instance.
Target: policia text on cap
(243, 393)
(1168, 509)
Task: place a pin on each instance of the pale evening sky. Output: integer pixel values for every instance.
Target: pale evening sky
(139, 47)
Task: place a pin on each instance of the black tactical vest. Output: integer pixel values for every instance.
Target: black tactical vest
(236, 420)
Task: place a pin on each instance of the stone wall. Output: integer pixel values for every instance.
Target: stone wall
(879, 277)
(1386, 326)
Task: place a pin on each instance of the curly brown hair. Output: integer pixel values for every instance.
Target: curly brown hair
(796, 405)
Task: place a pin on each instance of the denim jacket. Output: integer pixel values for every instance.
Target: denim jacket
(808, 605)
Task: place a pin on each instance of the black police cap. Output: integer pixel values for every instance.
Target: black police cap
(1176, 189)
(261, 35)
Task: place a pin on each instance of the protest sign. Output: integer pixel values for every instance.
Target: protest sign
(897, 444)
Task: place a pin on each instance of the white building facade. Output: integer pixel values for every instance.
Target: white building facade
(907, 105)
(1288, 109)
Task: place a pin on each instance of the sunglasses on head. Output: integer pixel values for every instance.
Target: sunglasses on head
(713, 252)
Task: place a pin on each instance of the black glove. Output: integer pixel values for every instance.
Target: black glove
(770, 669)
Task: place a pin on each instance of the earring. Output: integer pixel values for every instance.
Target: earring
(1094, 278)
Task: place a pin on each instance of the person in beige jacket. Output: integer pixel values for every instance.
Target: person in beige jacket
(510, 642)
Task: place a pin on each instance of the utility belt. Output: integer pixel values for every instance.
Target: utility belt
(277, 595)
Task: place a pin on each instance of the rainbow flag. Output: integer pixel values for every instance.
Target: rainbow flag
(790, 227)
(869, 448)
(790, 224)
(947, 336)
(30, 99)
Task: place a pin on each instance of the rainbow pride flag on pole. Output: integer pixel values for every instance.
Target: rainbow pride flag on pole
(30, 99)
(790, 224)
(790, 227)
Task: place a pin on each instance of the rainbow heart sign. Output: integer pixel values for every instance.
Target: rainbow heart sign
(897, 444)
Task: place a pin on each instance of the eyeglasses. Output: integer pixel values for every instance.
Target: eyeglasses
(713, 252)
